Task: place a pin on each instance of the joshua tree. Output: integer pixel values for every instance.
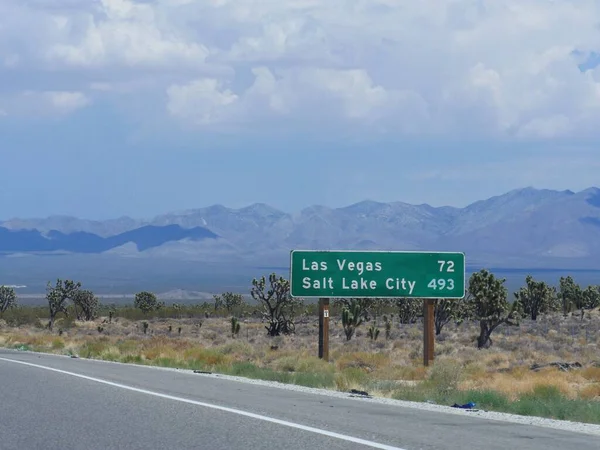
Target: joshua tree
(86, 305)
(8, 299)
(235, 327)
(351, 318)
(58, 296)
(488, 304)
(365, 305)
(229, 301)
(409, 309)
(591, 297)
(278, 307)
(570, 295)
(147, 302)
(447, 310)
(536, 298)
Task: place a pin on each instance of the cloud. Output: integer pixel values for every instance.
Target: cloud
(66, 102)
(447, 68)
(120, 33)
(45, 103)
(303, 94)
(201, 100)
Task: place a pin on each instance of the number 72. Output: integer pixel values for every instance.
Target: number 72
(449, 266)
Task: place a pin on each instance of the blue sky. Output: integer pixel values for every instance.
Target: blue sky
(120, 107)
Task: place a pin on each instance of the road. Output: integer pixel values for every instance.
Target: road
(54, 402)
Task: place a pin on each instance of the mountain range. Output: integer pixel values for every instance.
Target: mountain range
(523, 227)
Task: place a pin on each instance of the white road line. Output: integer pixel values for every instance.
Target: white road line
(298, 426)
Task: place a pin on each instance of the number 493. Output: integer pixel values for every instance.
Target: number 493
(441, 284)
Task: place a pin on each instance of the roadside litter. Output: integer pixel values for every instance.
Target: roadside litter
(469, 405)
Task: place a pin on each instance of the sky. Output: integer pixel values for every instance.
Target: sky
(122, 107)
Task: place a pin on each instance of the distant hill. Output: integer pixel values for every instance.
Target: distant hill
(144, 238)
(524, 228)
(68, 224)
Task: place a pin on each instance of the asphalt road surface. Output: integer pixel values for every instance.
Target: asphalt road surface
(52, 402)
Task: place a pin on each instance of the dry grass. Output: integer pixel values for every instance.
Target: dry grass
(383, 368)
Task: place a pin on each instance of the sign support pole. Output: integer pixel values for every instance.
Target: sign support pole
(324, 328)
(428, 331)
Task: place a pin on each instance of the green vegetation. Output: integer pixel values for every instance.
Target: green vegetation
(351, 319)
(278, 307)
(58, 296)
(537, 298)
(511, 373)
(8, 299)
(230, 301)
(85, 304)
(487, 303)
(542, 401)
(235, 327)
(147, 302)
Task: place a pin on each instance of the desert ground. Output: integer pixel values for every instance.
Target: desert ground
(549, 367)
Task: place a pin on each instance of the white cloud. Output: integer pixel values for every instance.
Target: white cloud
(202, 100)
(45, 103)
(66, 102)
(306, 94)
(444, 67)
(121, 32)
(547, 127)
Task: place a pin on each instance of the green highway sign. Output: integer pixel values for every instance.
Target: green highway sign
(385, 274)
